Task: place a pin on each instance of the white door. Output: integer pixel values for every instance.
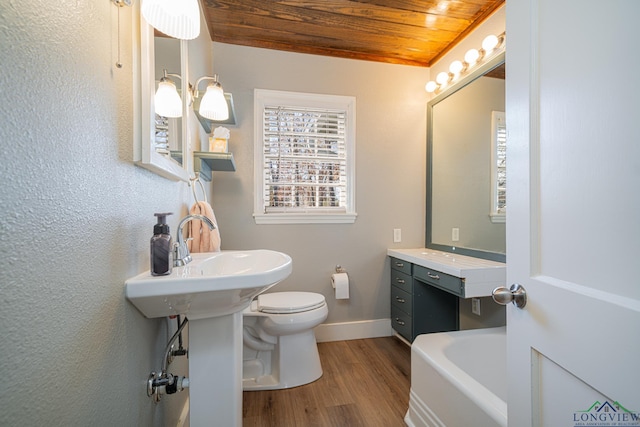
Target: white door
(573, 228)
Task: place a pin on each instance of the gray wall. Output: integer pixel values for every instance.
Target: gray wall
(76, 220)
(390, 172)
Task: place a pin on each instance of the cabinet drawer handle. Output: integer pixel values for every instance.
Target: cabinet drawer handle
(400, 322)
(399, 264)
(401, 281)
(433, 276)
(400, 300)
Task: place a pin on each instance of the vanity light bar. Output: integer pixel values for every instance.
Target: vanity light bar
(491, 45)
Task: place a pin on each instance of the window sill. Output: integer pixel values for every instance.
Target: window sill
(295, 218)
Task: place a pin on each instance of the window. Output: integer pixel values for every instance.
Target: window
(304, 158)
(498, 167)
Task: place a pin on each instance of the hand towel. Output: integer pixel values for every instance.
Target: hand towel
(203, 239)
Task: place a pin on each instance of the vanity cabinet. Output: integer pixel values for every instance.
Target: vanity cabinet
(440, 280)
(427, 288)
(417, 305)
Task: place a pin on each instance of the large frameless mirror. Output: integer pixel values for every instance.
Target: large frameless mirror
(466, 176)
(158, 142)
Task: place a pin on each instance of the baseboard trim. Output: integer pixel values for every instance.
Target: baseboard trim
(344, 331)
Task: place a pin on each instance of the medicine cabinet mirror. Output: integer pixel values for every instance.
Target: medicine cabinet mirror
(165, 160)
(459, 210)
(168, 136)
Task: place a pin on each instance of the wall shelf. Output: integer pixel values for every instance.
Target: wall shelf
(205, 162)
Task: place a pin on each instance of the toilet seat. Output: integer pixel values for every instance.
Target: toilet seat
(287, 302)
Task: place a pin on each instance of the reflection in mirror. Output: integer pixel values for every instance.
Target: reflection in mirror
(465, 213)
(168, 130)
(145, 153)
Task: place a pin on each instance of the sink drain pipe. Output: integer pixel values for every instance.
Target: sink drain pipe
(164, 382)
(157, 385)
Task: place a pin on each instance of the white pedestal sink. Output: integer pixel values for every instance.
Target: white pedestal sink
(212, 291)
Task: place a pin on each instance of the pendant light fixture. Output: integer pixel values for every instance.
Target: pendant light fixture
(176, 18)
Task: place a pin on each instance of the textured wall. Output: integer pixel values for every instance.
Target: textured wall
(76, 220)
(390, 172)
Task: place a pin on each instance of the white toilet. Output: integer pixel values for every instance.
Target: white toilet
(280, 349)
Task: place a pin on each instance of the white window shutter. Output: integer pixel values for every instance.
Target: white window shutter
(306, 162)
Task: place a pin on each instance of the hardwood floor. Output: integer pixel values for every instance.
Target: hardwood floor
(364, 383)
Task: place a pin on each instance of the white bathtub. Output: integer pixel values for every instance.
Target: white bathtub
(458, 379)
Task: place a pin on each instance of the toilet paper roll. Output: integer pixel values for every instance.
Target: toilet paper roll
(340, 282)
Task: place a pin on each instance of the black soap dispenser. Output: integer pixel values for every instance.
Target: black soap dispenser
(161, 247)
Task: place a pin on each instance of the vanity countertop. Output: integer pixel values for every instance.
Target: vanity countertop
(481, 276)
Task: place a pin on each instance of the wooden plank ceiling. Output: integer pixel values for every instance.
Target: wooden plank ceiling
(410, 32)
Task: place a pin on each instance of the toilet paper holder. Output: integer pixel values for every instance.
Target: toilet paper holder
(340, 282)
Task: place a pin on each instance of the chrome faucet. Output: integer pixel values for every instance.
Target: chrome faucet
(181, 255)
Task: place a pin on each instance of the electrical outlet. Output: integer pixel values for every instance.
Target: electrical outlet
(475, 306)
(397, 235)
(455, 234)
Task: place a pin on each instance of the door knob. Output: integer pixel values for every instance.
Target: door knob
(516, 294)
